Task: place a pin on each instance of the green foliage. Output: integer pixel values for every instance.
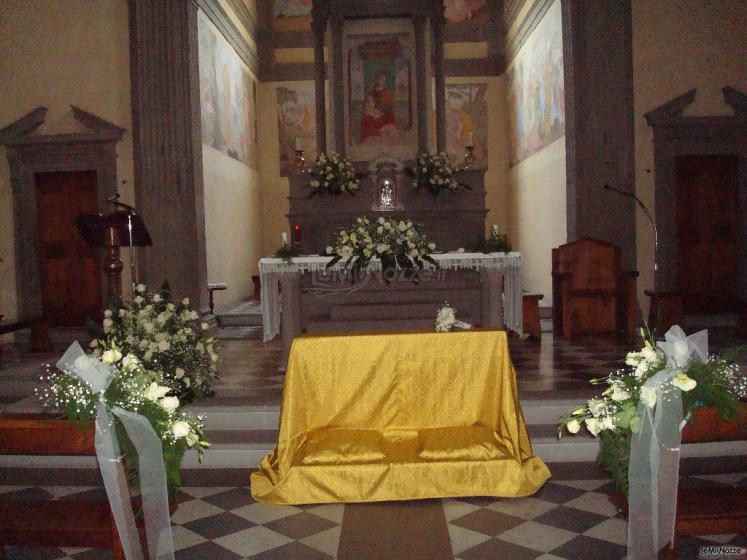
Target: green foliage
(616, 415)
(493, 244)
(166, 336)
(133, 389)
(614, 456)
(287, 252)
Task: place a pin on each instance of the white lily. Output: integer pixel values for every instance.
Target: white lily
(156, 391)
(573, 426)
(684, 382)
(111, 356)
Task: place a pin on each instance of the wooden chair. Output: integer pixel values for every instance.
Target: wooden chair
(51, 523)
(591, 294)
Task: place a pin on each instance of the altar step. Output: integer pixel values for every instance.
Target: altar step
(380, 325)
(246, 314)
(362, 312)
(242, 435)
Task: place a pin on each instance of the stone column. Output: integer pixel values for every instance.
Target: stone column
(421, 78)
(338, 93)
(437, 23)
(167, 145)
(320, 26)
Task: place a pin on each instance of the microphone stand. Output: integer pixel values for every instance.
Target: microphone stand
(651, 221)
(656, 234)
(134, 273)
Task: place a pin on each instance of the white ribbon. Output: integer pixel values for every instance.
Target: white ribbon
(154, 494)
(653, 471)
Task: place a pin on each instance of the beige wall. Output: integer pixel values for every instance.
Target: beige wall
(679, 45)
(234, 224)
(58, 54)
(537, 209)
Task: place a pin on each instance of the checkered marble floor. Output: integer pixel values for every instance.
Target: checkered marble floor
(571, 519)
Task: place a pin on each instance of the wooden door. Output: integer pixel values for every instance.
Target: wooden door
(707, 224)
(70, 268)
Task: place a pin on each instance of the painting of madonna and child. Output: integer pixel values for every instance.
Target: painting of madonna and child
(379, 91)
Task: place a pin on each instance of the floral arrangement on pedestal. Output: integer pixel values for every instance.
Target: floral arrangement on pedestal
(168, 338)
(396, 243)
(496, 243)
(446, 320)
(333, 174)
(709, 381)
(434, 172)
(135, 389)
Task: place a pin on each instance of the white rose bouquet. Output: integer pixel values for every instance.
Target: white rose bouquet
(434, 172)
(714, 382)
(134, 390)
(168, 338)
(396, 243)
(446, 319)
(333, 174)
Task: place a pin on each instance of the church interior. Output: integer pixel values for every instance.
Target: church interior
(596, 182)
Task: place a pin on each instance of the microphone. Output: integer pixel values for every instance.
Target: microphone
(114, 200)
(651, 220)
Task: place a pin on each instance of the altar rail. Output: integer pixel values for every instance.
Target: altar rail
(508, 264)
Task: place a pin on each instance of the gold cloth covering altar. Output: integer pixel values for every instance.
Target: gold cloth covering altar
(399, 417)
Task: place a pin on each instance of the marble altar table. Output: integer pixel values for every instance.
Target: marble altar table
(500, 277)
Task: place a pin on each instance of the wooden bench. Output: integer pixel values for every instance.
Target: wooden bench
(40, 341)
(52, 523)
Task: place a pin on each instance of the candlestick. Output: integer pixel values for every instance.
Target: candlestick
(297, 234)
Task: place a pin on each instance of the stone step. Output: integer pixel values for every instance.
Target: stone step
(383, 325)
(239, 319)
(239, 333)
(361, 312)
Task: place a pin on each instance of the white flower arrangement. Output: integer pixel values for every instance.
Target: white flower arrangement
(334, 174)
(396, 243)
(434, 172)
(446, 320)
(714, 381)
(167, 338)
(133, 389)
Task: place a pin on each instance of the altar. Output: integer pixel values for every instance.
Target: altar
(385, 163)
(486, 290)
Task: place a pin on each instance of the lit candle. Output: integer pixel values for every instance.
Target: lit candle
(297, 233)
(285, 238)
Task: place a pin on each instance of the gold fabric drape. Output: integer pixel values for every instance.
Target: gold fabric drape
(399, 417)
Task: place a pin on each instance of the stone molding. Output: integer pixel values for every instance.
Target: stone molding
(29, 153)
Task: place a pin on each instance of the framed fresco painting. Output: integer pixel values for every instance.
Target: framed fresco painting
(466, 121)
(296, 124)
(228, 97)
(536, 89)
(379, 74)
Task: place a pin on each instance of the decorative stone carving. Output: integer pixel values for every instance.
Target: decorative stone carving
(30, 153)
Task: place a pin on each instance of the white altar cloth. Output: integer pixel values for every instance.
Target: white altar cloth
(510, 264)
